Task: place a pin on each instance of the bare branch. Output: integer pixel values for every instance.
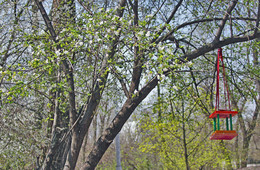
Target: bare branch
(119, 77)
(225, 18)
(168, 20)
(173, 12)
(13, 34)
(46, 19)
(200, 21)
(84, 6)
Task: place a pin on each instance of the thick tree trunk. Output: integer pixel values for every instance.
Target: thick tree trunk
(55, 156)
(84, 146)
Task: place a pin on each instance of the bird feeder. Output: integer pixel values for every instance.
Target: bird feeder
(226, 113)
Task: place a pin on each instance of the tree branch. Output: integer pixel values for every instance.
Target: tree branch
(225, 18)
(214, 45)
(168, 20)
(199, 21)
(46, 19)
(84, 6)
(137, 68)
(119, 77)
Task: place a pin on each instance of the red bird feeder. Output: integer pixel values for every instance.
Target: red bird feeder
(229, 133)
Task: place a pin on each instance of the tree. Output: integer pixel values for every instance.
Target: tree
(75, 55)
(180, 135)
(248, 101)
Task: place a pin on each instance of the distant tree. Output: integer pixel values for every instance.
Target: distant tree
(245, 97)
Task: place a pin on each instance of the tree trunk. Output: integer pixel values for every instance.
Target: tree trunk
(252, 124)
(237, 149)
(244, 154)
(95, 128)
(84, 146)
(185, 144)
(227, 156)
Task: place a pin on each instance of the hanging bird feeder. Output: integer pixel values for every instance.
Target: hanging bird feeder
(226, 113)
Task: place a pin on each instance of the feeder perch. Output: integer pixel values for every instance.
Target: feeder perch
(227, 114)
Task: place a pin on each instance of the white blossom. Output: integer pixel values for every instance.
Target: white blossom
(116, 32)
(172, 65)
(63, 30)
(148, 33)
(113, 27)
(163, 76)
(147, 65)
(175, 87)
(165, 69)
(80, 43)
(161, 48)
(130, 22)
(57, 52)
(141, 33)
(114, 18)
(189, 63)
